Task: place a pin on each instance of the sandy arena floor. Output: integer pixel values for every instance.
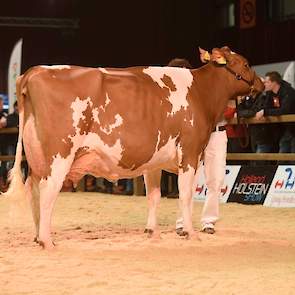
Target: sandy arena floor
(101, 249)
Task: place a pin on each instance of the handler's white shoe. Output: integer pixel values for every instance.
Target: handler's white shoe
(208, 228)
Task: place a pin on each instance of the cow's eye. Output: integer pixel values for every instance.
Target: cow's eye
(246, 65)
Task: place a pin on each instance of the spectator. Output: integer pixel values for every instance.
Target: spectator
(11, 139)
(3, 114)
(3, 122)
(264, 137)
(284, 103)
(123, 187)
(179, 63)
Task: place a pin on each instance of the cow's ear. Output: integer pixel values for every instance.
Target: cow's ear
(226, 49)
(218, 56)
(204, 55)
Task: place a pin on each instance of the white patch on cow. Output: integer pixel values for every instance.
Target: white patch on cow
(57, 67)
(192, 122)
(92, 140)
(166, 153)
(59, 168)
(103, 70)
(181, 78)
(158, 141)
(116, 72)
(107, 102)
(95, 115)
(79, 106)
(118, 122)
(110, 154)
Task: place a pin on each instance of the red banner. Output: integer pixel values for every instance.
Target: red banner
(247, 14)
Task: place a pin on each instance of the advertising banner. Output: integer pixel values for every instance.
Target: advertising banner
(282, 190)
(231, 173)
(252, 184)
(289, 74)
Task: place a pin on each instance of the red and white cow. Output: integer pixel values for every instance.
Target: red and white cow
(120, 123)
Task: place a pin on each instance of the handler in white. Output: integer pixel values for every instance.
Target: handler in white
(214, 169)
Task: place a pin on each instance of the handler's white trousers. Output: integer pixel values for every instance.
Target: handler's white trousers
(214, 169)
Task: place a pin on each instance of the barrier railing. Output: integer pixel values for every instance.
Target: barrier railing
(263, 120)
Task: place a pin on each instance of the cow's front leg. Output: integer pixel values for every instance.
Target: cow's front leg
(179, 221)
(152, 182)
(185, 184)
(49, 190)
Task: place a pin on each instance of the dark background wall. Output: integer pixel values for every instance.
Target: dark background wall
(146, 32)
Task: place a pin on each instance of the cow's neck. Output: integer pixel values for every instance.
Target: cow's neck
(216, 89)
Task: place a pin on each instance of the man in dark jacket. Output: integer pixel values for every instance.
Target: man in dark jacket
(264, 137)
(284, 103)
(9, 143)
(3, 122)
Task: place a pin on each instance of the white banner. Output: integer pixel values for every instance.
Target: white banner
(231, 173)
(14, 69)
(282, 189)
(289, 74)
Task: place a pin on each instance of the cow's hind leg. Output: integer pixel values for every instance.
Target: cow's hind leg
(32, 190)
(49, 190)
(179, 221)
(185, 184)
(153, 191)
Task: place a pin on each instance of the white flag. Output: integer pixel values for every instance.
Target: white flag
(289, 74)
(13, 72)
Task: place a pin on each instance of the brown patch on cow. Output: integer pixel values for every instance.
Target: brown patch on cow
(168, 82)
(68, 144)
(86, 121)
(81, 151)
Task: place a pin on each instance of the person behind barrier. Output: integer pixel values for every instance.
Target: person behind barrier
(3, 120)
(264, 138)
(284, 103)
(11, 139)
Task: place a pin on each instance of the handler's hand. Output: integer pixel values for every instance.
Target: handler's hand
(259, 115)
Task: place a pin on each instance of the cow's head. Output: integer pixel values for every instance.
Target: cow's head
(237, 66)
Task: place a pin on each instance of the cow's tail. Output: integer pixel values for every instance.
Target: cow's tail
(16, 190)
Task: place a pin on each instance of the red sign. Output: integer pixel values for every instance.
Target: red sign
(247, 14)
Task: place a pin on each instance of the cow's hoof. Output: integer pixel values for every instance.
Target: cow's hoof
(181, 232)
(47, 246)
(36, 240)
(184, 233)
(149, 232)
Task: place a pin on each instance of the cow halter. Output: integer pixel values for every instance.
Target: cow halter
(239, 77)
